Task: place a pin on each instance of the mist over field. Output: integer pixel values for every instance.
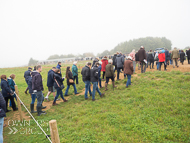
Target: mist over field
(39, 29)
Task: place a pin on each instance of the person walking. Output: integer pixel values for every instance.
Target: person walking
(94, 79)
(59, 66)
(162, 58)
(119, 62)
(109, 74)
(132, 55)
(11, 83)
(2, 115)
(188, 56)
(95, 60)
(167, 56)
(70, 81)
(182, 57)
(104, 63)
(142, 59)
(86, 79)
(58, 84)
(75, 72)
(37, 87)
(147, 59)
(50, 83)
(7, 93)
(26, 76)
(157, 60)
(114, 62)
(128, 70)
(151, 59)
(175, 56)
(99, 74)
(137, 60)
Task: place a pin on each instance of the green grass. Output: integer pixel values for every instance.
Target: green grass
(156, 108)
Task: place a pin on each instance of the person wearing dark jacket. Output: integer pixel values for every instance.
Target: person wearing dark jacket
(94, 61)
(114, 61)
(33, 96)
(75, 72)
(119, 61)
(7, 93)
(137, 60)
(57, 84)
(26, 76)
(109, 74)
(12, 86)
(86, 79)
(37, 87)
(99, 74)
(70, 81)
(2, 115)
(94, 79)
(142, 58)
(188, 56)
(128, 70)
(50, 83)
(151, 59)
(182, 57)
(59, 66)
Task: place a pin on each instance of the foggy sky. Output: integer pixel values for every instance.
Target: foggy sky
(40, 28)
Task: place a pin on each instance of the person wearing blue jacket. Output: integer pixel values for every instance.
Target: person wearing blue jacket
(99, 73)
(2, 115)
(26, 76)
(50, 83)
(57, 84)
(12, 86)
(75, 72)
(7, 93)
(59, 66)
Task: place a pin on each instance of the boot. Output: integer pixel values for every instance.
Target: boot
(32, 108)
(39, 110)
(106, 85)
(43, 107)
(54, 103)
(65, 100)
(26, 91)
(113, 83)
(102, 95)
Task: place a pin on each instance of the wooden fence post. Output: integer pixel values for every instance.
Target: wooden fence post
(18, 104)
(54, 131)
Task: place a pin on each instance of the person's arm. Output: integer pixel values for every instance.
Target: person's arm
(2, 102)
(96, 74)
(145, 55)
(112, 70)
(122, 60)
(6, 87)
(131, 66)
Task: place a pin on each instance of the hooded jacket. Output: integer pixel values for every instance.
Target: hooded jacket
(5, 88)
(94, 61)
(94, 74)
(104, 63)
(27, 75)
(109, 70)
(85, 73)
(50, 78)
(59, 80)
(74, 70)
(119, 61)
(151, 57)
(2, 106)
(11, 84)
(161, 57)
(37, 84)
(58, 67)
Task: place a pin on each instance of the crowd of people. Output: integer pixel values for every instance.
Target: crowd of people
(91, 75)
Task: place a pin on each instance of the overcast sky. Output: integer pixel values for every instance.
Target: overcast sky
(40, 28)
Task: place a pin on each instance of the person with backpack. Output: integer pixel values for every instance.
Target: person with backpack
(75, 72)
(94, 79)
(26, 76)
(70, 81)
(37, 87)
(11, 83)
(58, 84)
(2, 115)
(151, 59)
(104, 63)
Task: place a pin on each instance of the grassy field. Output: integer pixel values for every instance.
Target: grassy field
(156, 108)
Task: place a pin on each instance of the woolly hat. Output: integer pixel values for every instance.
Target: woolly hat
(129, 57)
(75, 62)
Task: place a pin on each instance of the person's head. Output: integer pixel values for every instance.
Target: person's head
(97, 58)
(97, 64)
(34, 68)
(133, 50)
(57, 71)
(59, 63)
(54, 69)
(100, 62)
(67, 72)
(105, 57)
(75, 62)
(129, 58)
(150, 50)
(117, 53)
(29, 68)
(110, 61)
(142, 47)
(182, 51)
(89, 64)
(4, 77)
(175, 48)
(12, 76)
(38, 68)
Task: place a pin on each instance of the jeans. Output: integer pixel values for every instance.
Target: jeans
(87, 88)
(40, 98)
(33, 98)
(158, 65)
(59, 92)
(100, 84)
(118, 71)
(1, 129)
(95, 87)
(134, 66)
(76, 77)
(68, 86)
(128, 80)
(143, 70)
(14, 96)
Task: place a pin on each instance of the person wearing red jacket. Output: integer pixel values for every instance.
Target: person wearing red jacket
(104, 63)
(161, 57)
